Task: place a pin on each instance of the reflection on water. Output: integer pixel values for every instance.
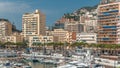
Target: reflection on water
(41, 65)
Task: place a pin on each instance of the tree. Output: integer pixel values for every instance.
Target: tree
(50, 45)
(8, 44)
(2, 45)
(82, 44)
(20, 45)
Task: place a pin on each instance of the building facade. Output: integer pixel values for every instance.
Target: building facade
(40, 40)
(108, 22)
(86, 37)
(60, 34)
(70, 37)
(5, 27)
(74, 27)
(33, 24)
(14, 38)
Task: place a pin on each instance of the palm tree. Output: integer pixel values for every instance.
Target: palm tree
(60, 45)
(92, 45)
(83, 44)
(20, 45)
(115, 46)
(37, 45)
(50, 45)
(8, 44)
(2, 45)
(67, 45)
(73, 45)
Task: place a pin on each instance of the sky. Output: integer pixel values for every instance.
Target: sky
(53, 9)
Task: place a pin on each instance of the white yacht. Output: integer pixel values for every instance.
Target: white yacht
(26, 66)
(67, 66)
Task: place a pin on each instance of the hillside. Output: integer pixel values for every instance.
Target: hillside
(77, 13)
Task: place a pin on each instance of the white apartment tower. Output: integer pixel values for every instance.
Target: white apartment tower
(33, 24)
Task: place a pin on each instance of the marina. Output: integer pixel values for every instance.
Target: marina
(79, 58)
(54, 60)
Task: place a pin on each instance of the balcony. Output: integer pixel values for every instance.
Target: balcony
(111, 11)
(105, 39)
(109, 27)
(106, 14)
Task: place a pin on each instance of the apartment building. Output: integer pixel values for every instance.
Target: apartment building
(33, 24)
(60, 35)
(74, 27)
(14, 37)
(108, 22)
(5, 27)
(86, 37)
(40, 40)
(89, 20)
(70, 37)
(91, 25)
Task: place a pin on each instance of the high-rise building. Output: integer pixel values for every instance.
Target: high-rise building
(5, 27)
(33, 24)
(109, 22)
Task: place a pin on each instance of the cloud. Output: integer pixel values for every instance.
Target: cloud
(12, 7)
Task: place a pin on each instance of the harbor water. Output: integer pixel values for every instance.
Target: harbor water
(42, 65)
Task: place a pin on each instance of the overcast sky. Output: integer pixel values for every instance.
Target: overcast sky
(53, 9)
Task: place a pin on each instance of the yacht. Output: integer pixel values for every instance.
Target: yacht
(7, 53)
(67, 66)
(26, 66)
